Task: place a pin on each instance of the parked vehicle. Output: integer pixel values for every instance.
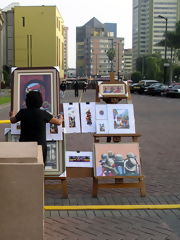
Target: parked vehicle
(156, 89)
(133, 87)
(173, 91)
(143, 84)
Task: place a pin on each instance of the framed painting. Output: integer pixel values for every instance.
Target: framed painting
(113, 90)
(43, 80)
(53, 132)
(88, 122)
(78, 159)
(117, 159)
(71, 117)
(121, 118)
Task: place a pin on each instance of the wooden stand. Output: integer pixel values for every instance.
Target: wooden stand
(119, 180)
(62, 185)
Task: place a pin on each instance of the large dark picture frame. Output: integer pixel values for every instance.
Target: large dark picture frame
(45, 80)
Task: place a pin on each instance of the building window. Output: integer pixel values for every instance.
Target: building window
(23, 21)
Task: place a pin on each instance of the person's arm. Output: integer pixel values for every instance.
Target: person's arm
(12, 117)
(57, 121)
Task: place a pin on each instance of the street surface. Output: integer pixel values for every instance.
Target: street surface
(157, 120)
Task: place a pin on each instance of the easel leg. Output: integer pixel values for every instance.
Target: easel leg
(95, 187)
(64, 188)
(142, 187)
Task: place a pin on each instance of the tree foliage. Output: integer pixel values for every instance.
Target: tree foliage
(111, 54)
(136, 76)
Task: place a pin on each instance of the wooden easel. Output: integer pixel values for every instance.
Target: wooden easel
(119, 180)
(62, 185)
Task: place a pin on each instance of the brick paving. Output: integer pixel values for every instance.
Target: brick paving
(157, 119)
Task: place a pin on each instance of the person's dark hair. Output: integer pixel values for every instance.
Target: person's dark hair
(34, 99)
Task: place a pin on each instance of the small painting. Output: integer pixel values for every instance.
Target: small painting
(102, 127)
(121, 118)
(117, 159)
(101, 111)
(16, 128)
(78, 159)
(71, 117)
(88, 117)
(53, 132)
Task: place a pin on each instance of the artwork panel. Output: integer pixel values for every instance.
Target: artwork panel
(53, 132)
(79, 159)
(71, 117)
(117, 159)
(36, 82)
(88, 121)
(16, 128)
(101, 111)
(121, 118)
(102, 127)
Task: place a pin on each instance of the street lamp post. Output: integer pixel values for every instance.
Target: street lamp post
(165, 50)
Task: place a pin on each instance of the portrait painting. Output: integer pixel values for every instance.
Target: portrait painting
(121, 118)
(117, 159)
(88, 116)
(78, 159)
(36, 82)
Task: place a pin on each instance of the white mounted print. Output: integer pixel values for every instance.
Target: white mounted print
(101, 111)
(53, 132)
(16, 128)
(121, 118)
(88, 121)
(102, 127)
(79, 159)
(71, 117)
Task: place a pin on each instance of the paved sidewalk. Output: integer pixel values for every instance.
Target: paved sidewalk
(162, 183)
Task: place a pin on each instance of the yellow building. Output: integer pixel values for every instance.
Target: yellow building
(38, 37)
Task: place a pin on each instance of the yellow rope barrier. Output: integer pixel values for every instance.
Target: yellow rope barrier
(112, 207)
(4, 121)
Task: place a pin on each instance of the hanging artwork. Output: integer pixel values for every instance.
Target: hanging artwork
(88, 117)
(102, 127)
(78, 159)
(53, 132)
(71, 117)
(101, 111)
(121, 118)
(117, 159)
(16, 128)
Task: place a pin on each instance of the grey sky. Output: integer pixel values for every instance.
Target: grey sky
(78, 12)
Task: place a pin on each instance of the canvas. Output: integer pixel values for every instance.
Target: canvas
(88, 123)
(78, 159)
(71, 117)
(16, 128)
(117, 159)
(121, 118)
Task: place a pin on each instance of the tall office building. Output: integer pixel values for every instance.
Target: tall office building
(127, 63)
(1, 55)
(149, 28)
(92, 43)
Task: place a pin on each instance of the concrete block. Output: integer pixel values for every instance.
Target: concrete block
(22, 192)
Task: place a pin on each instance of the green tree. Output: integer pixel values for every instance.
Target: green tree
(136, 76)
(111, 54)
